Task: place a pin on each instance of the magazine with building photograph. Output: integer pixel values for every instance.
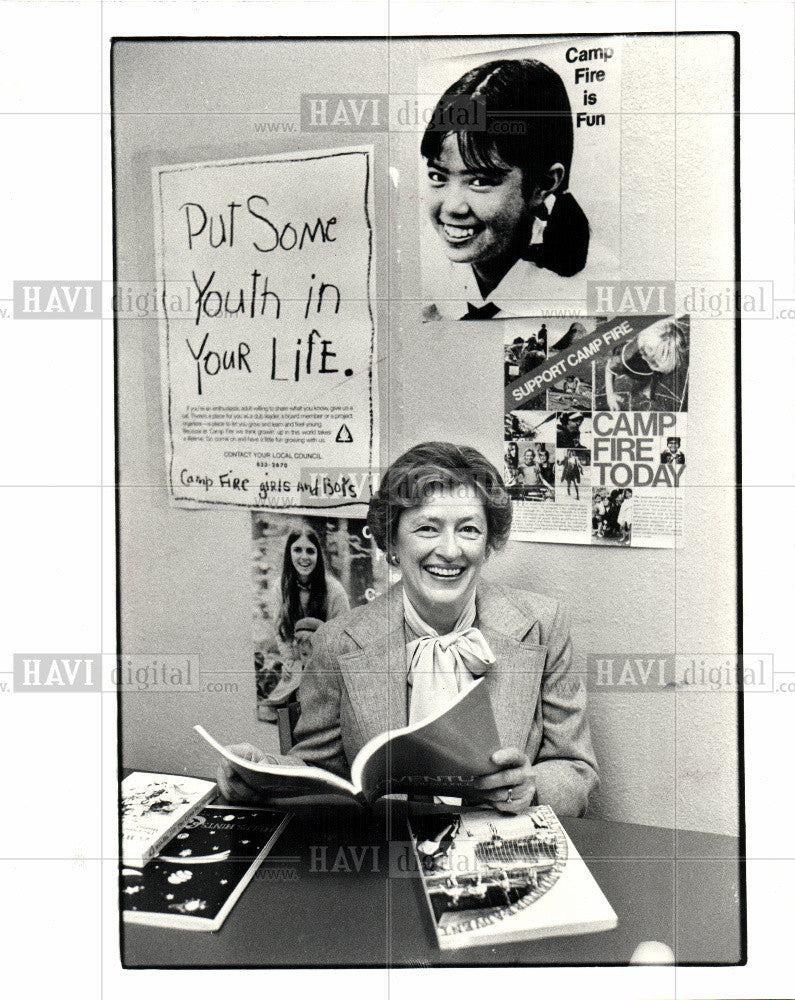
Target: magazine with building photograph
(491, 878)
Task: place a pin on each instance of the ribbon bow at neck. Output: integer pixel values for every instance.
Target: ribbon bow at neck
(441, 665)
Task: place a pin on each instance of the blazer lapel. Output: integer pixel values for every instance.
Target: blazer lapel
(375, 674)
(513, 682)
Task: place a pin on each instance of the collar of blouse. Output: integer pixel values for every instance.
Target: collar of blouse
(496, 611)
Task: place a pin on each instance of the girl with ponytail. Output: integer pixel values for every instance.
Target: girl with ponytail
(498, 151)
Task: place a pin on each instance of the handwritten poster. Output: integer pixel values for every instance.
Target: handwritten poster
(265, 270)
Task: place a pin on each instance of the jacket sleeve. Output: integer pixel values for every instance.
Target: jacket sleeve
(318, 738)
(338, 602)
(565, 766)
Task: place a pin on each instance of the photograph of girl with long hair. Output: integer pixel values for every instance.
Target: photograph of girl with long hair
(497, 194)
(307, 589)
(307, 571)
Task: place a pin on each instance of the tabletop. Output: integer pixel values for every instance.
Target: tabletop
(327, 896)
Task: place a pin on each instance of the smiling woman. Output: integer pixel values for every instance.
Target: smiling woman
(440, 512)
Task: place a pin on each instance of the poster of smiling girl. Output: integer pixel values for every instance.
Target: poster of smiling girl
(520, 178)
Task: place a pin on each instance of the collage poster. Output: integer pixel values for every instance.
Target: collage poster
(596, 427)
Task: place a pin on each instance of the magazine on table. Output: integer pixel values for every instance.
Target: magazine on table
(200, 874)
(156, 806)
(491, 878)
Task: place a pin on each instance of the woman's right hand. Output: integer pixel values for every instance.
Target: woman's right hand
(230, 784)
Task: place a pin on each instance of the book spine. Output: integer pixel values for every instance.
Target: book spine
(223, 913)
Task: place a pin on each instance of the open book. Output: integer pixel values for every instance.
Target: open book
(440, 755)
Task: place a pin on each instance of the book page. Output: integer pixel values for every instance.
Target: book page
(441, 756)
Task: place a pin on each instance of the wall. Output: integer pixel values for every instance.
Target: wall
(667, 758)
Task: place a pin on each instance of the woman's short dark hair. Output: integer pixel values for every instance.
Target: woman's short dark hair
(525, 121)
(412, 479)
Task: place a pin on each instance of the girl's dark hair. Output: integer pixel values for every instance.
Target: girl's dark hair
(519, 116)
(317, 605)
(413, 478)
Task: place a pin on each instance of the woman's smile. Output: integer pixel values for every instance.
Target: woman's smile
(457, 235)
(445, 572)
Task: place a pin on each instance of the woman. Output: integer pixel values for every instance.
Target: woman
(440, 512)
(308, 591)
(497, 196)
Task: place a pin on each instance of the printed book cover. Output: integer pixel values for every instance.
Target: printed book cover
(154, 807)
(490, 878)
(200, 874)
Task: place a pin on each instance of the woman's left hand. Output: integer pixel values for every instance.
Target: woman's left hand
(512, 788)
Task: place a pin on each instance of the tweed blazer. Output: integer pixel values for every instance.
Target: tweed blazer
(355, 687)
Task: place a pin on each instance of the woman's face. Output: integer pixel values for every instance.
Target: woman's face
(476, 215)
(529, 457)
(441, 547)
(304, 556)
